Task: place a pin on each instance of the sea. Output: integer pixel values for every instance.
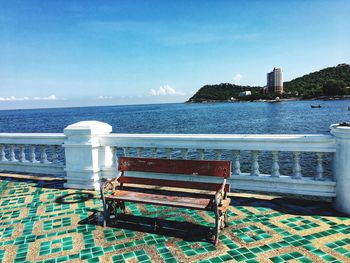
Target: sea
(293, 117)
(289, 117)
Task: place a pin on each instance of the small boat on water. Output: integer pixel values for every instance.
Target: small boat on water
(315, 106)
(277, 99)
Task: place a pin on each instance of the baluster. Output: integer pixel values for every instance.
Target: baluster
(154, 152)
(184, 153)
(139, 151)
(126, 151)
(319, 167)
(12, 153)
(296, 166)
(255, 164)
(275, 171)
(168, 153)
(114, 156)
(22, 156)
(32, 156)
(200, 154)
(43, 155)
(54, 154)
(218, 154)
(236, 163)
(2, 153)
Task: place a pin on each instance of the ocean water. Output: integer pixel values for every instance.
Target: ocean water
(216, 118)
(293, 117)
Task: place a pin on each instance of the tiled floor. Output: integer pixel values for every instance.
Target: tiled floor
(40, 221)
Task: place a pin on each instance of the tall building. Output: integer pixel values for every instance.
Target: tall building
(275, 81)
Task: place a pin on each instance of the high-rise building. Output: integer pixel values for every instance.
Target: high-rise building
(275, 81)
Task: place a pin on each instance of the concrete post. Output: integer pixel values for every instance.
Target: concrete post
(341, 168)
(84, 155)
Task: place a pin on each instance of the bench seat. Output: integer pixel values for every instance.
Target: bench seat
(167, 199)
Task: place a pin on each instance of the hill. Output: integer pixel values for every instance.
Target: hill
(221, 92)
(331, 81)
(316, 83)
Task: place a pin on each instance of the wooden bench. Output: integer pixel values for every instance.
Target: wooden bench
(136, 173)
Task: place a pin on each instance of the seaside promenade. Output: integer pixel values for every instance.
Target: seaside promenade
(55, 216)
(41, 221)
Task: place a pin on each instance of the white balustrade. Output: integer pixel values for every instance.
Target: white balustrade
(168, 153)
(154, 152)
(21, 152)
(12, 153)
(255, 165)
(43, 155)
(296, 166)
(236, 163)
(275, 171)
(2, 153)
(140, 151)
(217, 154)
(126, 151)
(114, 156)
(91, 152)
(319, 167)
(200, 153)
(235, 148)
(22, 156)
(54, 153)
(184, 153)
(32, 154)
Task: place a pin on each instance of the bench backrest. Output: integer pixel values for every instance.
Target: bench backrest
(193, 174)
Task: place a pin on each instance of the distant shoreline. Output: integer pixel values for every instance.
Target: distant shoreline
(325, 98)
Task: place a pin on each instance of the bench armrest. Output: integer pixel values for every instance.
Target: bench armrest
(220, 194)
(109, 186)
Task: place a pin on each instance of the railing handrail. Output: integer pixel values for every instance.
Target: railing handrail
(264, 142)
(32, 138)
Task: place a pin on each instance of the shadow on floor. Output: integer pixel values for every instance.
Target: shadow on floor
(157, 226)
(287, 205)
(74, 198)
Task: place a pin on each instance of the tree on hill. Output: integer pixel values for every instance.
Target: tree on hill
(334, 87)
(311, 85)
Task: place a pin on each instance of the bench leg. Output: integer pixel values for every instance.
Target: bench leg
(105, 213)
(217, 225)
(122, 206)
(225, 219)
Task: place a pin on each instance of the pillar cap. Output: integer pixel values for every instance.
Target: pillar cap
(340, 130)
(88, 128)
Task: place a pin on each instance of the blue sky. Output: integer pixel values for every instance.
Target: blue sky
(73, 53)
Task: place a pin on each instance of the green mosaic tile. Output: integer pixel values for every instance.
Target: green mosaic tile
(339, 245)
(251, 234)
(56, 223)
(56, 245)
(6, 232)
(237, 242)
(2, 253)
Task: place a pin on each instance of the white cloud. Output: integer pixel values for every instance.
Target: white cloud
(51, 97)
(13, 98)
(104, 97)
(165, 90)
(237, 78)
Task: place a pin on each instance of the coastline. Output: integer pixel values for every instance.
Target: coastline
(325, 98)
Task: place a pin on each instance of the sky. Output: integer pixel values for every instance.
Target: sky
(79, 53)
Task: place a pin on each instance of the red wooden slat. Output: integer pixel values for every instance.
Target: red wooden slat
(172, 183)
(196, 167)
(195, 202)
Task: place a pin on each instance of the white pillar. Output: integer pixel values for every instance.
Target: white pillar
(341, 168)
(85, 157)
